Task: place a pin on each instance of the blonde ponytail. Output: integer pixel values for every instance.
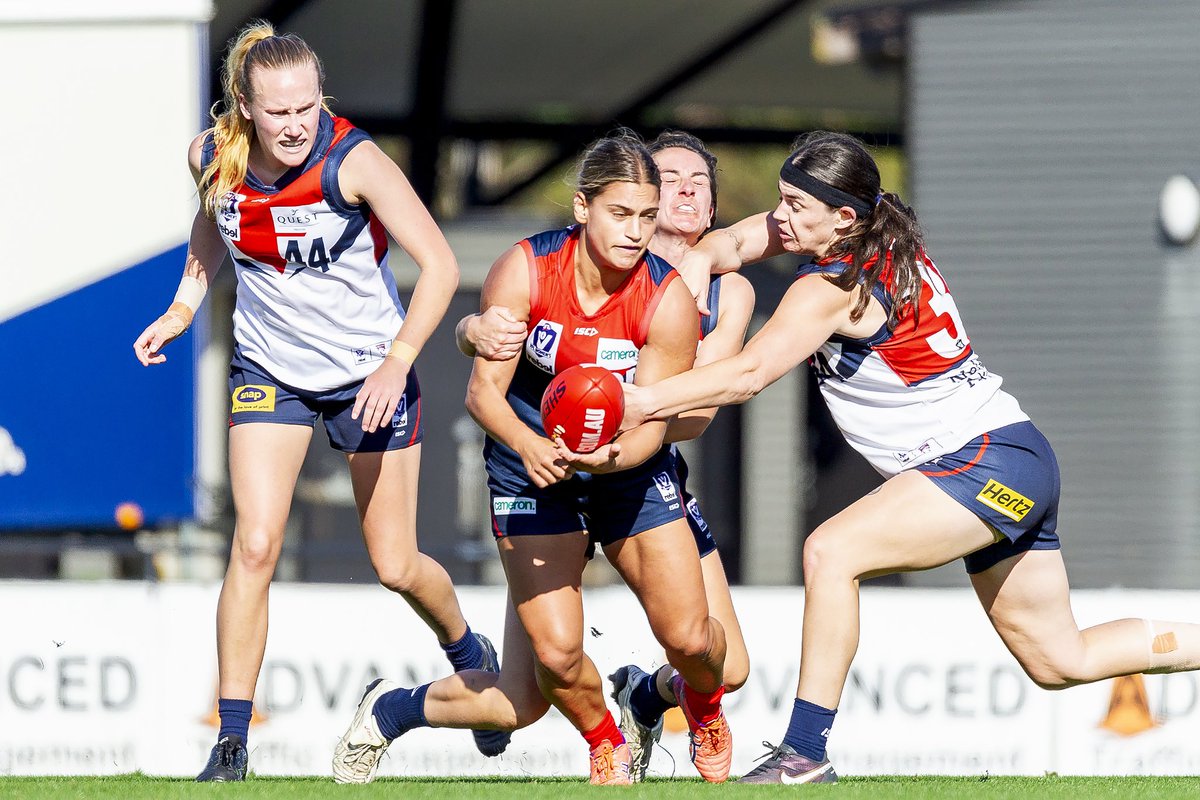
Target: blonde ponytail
(255, 46)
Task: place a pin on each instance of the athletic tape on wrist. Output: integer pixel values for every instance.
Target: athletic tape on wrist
(403, 351)
(190, 292)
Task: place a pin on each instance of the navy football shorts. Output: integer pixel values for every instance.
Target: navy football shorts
(609, 507)
(1008, 478)
(257, 397)
(705, 543)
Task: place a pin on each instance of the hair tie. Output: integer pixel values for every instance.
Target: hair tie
(878, 197)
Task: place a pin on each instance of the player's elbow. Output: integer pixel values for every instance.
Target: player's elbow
(750, 381)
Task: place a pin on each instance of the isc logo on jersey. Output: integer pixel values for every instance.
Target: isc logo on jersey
(541, 347)
(229, 216)
(617, 356)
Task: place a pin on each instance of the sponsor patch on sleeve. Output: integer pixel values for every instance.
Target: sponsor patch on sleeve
(996, 495)
(253, 398)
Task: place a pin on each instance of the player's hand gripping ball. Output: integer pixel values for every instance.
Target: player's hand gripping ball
(583, 406)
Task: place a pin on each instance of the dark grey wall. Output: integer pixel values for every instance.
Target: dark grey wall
(1041, 134)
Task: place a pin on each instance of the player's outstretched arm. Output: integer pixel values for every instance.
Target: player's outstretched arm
(810, 312)
(728, 250)
(725, 340)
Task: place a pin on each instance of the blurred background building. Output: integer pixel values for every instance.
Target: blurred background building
(1034, 138)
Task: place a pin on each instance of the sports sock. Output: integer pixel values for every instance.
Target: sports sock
(235, 718)
(607, 729)
(647, 702)
(466, 653)
(705, 706)
(401, 710)
(809, 728)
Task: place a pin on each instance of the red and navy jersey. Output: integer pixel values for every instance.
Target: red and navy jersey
(561, 335)
(317, 305)
(906, 396)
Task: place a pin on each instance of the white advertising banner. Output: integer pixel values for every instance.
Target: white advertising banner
(112, 678)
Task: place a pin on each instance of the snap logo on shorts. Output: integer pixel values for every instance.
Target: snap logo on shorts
(505, 506)
(253, 398)
(1012, 504)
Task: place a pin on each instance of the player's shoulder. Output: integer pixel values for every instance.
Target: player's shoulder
(200, 150)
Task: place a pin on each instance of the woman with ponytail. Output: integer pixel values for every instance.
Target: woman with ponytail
(303, 202)
(968, 475)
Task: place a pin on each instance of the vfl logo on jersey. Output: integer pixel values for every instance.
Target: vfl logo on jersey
(506, 506)
(293, 222)
(372, 352)
(666, 487)
(253, 398)
(1011, 504)
(229, 216)
(400, 418)
(617, 356)
(693, 510)
(541, 347)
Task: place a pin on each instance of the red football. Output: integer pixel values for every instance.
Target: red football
(583, 405)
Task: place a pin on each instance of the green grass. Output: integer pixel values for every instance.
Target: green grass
(136, 787)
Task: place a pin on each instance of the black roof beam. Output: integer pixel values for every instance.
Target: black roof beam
(723, 49)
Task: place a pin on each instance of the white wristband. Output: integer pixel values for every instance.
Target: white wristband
(191, 292)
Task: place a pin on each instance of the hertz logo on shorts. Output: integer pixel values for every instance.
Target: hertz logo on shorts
(253, 398)
(1009, 503)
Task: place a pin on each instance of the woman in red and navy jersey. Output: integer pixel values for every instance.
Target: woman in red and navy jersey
(969, 476)
(590, 293)
(687, 208)
(302, 202)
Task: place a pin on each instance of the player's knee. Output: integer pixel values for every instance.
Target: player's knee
(824, 558)
(256, 551)
(686, 639)
(560, 663)
(1051, 673)
(398, 576)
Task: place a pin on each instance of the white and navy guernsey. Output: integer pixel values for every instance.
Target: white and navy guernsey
(317, 305)
(905, 397)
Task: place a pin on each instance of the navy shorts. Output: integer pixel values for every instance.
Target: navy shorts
(1008, 478)
(705, 543)
(257, 397)
(609, 507)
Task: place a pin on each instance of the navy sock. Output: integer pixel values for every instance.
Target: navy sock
(647, 704)
(809, 729)
(466, 653)
(235, 718)
(401, 710)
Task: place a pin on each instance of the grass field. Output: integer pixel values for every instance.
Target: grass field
(136, 787)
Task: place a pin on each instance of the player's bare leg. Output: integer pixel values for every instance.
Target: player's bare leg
(385, 491)
(1027, 599)
(663, 569)
(262, 496)
(876, 535)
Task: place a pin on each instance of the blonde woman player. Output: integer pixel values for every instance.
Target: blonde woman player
(687, 208)
(302, 202)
